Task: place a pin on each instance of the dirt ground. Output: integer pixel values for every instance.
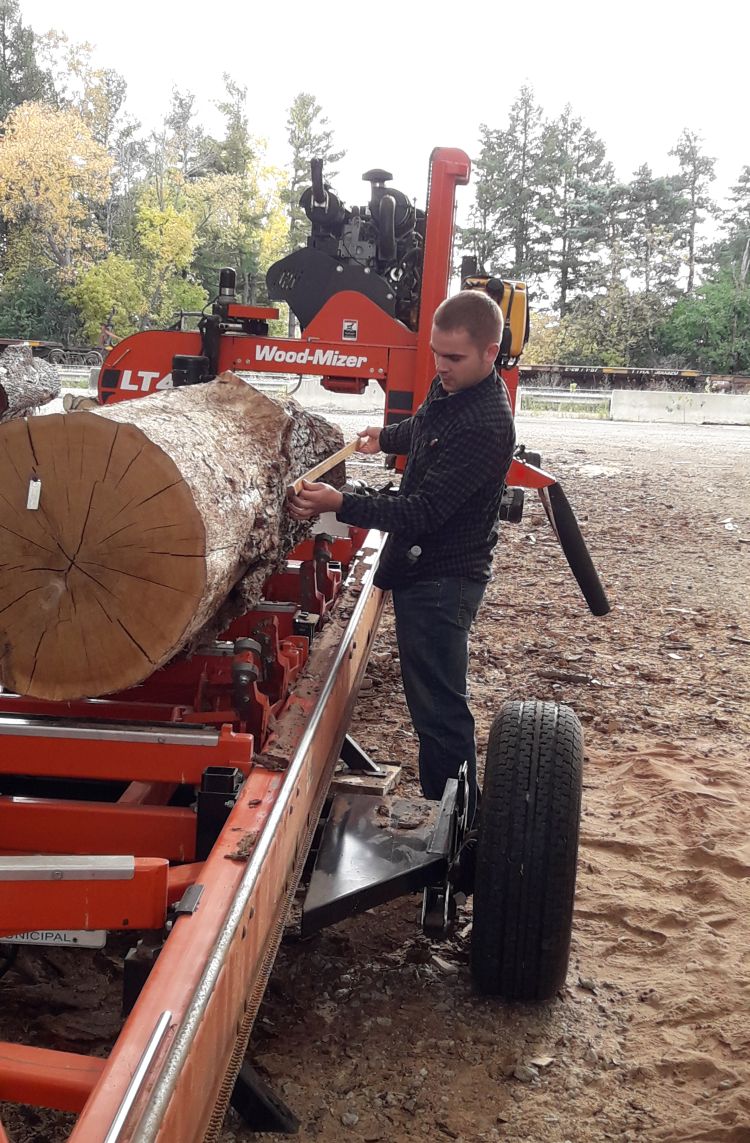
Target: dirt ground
(370, 1032)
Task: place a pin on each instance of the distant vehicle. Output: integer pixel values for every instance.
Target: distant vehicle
(74, 356)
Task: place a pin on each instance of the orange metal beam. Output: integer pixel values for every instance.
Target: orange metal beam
(42, 1078)
(449, 168)
(44, 825)
(139, 902)
(216, 957)
(522, 475)
(147, 794)
(181, 878)
(124, 759)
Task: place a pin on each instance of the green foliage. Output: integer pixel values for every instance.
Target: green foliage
(732, 252)
(696, 173)
(653, 256)
(36, 307)
(310, 137)
(98, 221)
(710, 330)
(504, 234)
(612, 328)
(574, 173)
(110, 292)
(22, 78)
(236, 151)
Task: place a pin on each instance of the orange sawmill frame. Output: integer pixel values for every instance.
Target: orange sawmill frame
(198, 1002)
(224, 913)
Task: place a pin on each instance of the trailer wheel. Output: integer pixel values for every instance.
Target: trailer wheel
(527, 849)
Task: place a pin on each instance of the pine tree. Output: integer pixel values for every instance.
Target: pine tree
(504, 234)
(574, 175)
(652, 244)
(310, 137)
(696, 173)
(734, 251)
(22, 79)
(236, 150)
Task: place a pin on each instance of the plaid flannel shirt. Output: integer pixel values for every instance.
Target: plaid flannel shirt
(444, 520)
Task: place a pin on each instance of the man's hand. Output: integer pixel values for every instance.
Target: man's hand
(312, 499)
(369, 440)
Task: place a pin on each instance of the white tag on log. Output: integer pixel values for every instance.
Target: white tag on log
(35, 492)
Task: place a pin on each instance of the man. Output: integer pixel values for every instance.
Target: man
(442, 525)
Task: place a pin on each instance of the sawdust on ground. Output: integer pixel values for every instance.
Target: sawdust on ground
(370, 1032)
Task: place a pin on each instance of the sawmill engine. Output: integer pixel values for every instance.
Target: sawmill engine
(375, 250)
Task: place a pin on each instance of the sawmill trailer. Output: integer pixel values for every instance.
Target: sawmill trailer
(191, 810)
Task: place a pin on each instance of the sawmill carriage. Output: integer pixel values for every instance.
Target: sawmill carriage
(190, 806)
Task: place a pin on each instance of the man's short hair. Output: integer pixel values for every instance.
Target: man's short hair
(474, 311)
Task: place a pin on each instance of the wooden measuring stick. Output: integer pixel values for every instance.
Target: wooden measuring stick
(325, 466)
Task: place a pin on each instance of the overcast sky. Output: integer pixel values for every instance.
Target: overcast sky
(397, 79)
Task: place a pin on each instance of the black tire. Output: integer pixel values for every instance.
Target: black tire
(563, 520)
(527, 851)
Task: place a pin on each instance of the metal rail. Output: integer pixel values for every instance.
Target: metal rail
(217, 960)
(564, 396)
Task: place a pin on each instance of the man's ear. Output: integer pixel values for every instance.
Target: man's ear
(492, 352)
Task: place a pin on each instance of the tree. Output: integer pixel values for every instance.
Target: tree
(611, 328)
(610, 204)
(653, 255)
(574, 172)
(310, 137)
(53, 174)
(237, 153)
(505, 235)
(733, 250)
(167, 239)
(33, 305)
(240, 222)
(111, 292)
(192, 151)
(710, 329)
(22, 78)
(696, 173)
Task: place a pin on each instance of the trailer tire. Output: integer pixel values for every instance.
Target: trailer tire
(527, 851)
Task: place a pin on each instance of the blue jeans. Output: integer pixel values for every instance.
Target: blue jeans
(433, 620)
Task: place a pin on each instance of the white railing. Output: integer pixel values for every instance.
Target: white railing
(563, 397)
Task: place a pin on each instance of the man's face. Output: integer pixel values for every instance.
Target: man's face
(458, 362)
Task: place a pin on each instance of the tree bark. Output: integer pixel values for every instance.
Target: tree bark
(158, 521)
(26, 382)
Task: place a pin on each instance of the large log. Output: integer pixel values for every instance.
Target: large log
(26, 382)
(158, 521)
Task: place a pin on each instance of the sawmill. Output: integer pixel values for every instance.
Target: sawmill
(179, 663)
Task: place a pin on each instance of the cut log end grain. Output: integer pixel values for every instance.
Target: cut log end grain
(158, 520)
(107, 571)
